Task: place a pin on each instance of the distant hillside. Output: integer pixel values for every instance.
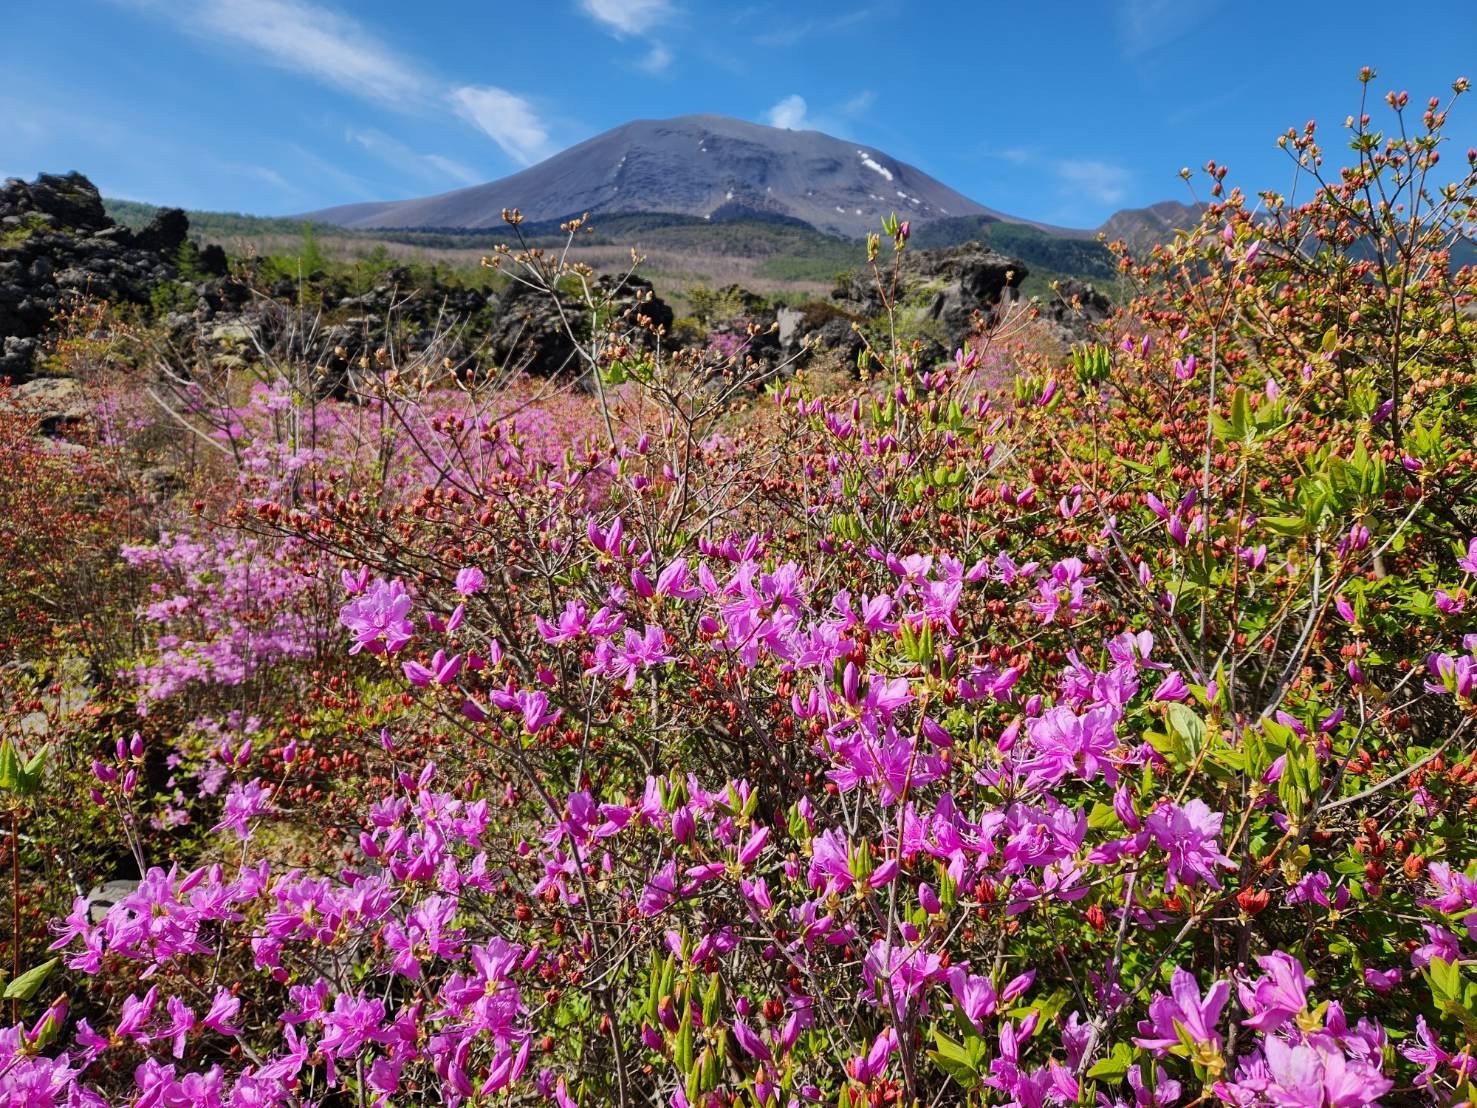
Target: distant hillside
(1060, 255)
(779, 249)
(209, 225)
(1141, 228)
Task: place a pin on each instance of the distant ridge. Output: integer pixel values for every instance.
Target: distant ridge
(1142, 228)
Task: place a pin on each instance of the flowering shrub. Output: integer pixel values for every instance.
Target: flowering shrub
(1110, 740)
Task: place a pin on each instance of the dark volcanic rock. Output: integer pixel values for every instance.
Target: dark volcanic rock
(636, 295)
(57, 244)
(1076, 309)
(964, 280)
(530, 334)
(940, 291)
(165, 234)
(530, 330)
(70, 200)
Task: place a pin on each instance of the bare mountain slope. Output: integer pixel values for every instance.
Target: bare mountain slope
(698, 165)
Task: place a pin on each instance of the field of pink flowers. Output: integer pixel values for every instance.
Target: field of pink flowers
(690, 739)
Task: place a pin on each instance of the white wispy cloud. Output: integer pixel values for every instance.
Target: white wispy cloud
(335, 49)
(430, 167)
(454, 169)
(1100, 181)
(270, 176)
(506, 118)
(859, 103)
(315, 40)
(629, 17)
(789, 113)
(1080, 182)
(355, 186)
(657, 59)
(1145, 25)
(793, 33)
(641, 19)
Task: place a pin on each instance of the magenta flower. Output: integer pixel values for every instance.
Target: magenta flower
(1425, 1051)
(470, 580)
(1189, 835)
(1064, 587)
(1184, 1007)
(223, 1009)
(865, 1068)
(571, 624)
(536, 712)
(830, 863)
(973, 995)
(243, 804)
(1382, 981)
(636, 653)
(1281, 994)
(1069, 745)
(379, 618)
(181, 1022)
(353, 1022)
(1316, 1074)
(753, 1045)
(1468, 562)
(1172, 687)
(902, 971)
(441, 671)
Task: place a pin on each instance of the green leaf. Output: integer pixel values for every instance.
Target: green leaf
(9, 767)
(1186, 723)
(1240, 414)
(1446, 980)
(711, 1000)
(954, 1059)
(1285, 525)
(1115, 1066)
(30, 774)
(24, 987)
(682, 1048)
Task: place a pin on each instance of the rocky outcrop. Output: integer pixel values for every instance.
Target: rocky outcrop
(53, 401)
(530, 330)
(943, 296)
(818, 326)
(1075, 310)
(58, 245)
(954, 285)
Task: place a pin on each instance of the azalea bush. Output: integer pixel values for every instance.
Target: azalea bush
(1105, 736)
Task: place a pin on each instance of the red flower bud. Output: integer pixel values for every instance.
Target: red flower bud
(1253, 901)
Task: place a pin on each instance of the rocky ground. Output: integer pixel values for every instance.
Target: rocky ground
(59, 248)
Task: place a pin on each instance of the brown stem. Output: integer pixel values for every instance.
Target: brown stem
(15, 912)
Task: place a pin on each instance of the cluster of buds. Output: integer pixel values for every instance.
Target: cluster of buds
(123, 771)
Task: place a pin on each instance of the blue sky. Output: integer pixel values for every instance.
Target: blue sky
(1062, 112)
